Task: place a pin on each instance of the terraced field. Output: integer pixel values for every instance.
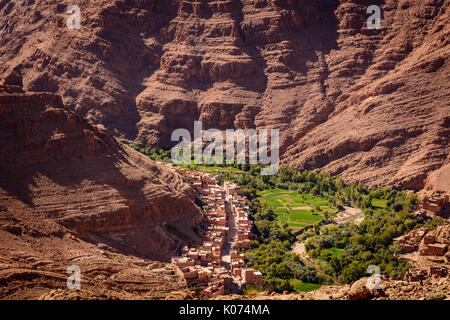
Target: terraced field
(304, 287)
(379, 203)
(295, 209)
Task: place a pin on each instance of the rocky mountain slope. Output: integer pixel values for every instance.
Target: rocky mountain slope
(429, 289)
(370, 105)
(71, 194)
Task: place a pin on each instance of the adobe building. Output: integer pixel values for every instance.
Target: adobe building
(251, 277)
(428, 251)
(203, 265)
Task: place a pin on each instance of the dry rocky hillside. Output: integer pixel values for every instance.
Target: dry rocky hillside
(372, 106)
(70, 194)
(429, 289)
(369, 105)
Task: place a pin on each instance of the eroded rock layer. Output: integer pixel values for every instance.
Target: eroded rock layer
(71, 194)
(369, 105)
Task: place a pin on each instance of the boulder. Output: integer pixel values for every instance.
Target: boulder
(360, 291)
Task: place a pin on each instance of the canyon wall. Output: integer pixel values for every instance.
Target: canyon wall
(369, 105)
(72, 195)
(57, 168)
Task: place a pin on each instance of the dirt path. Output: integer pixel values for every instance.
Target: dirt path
(300, 249)
(229, 242)
(350, 214)
(226, 250)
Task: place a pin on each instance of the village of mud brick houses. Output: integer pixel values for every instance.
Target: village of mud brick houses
(217, 265)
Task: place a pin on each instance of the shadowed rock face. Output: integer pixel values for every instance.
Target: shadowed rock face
(369, 105)
(72, 195)
(58, 168)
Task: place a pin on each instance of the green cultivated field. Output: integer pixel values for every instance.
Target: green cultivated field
(334, 252)
(379, 203)
(295, 209)
(304, 287)
(204, 167)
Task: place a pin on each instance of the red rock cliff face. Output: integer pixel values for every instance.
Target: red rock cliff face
(369, 105)
(57, 167)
